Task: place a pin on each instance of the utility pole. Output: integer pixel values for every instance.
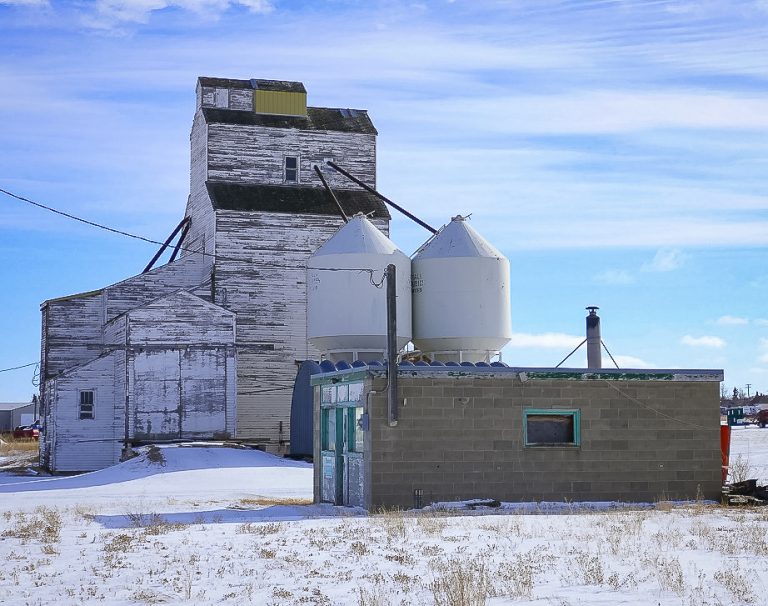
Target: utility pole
(391, 281)
(748, 386)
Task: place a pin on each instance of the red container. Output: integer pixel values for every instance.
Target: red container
(725, 448)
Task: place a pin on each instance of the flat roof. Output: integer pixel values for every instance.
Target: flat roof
(14, 405)
(317, 118)
(526, 373)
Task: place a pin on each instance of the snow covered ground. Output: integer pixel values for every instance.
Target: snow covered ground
(750, 443)
(222, 525)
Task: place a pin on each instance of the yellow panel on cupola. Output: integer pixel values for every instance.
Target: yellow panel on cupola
(279, 97)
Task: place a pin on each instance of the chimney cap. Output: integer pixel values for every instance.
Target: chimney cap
(592, 309)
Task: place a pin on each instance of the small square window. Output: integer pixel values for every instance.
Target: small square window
(221, 97)
(552, 427)
(291, 169)
(86, 404)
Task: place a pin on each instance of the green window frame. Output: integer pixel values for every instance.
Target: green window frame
(552, 427)
(328, 428)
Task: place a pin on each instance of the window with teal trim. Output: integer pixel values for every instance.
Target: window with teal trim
(552, 427)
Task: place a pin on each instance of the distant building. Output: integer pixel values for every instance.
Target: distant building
(13, 414)
(205, 347)
(759, 401)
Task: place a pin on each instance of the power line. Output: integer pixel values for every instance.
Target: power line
(17, 367)
(184, 248)
(75, 218)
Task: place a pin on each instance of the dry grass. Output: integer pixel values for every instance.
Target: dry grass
(10, 445)
(43, 524)
(262, 529)
(155, 455)
(258, 501)
(398, 558)
(461, 583)
(739, 469)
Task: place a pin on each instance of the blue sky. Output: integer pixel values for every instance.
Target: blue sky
(616, 151)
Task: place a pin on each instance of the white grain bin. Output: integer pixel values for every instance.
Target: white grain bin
(460, 284)
(347, 310)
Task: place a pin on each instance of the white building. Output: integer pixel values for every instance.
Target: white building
(206, 346)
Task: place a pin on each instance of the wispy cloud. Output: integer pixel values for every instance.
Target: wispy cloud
(668, 259)
(547, 340)
(761, 322)
(615, 276)
(763, 345)
(24, 2)
(631, 362)
(704, 341)
(108, 13)
(732, 321)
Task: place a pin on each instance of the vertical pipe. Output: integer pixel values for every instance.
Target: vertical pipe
(594, 353)
(391, 280)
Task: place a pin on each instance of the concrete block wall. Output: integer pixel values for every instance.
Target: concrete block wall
(462, 437)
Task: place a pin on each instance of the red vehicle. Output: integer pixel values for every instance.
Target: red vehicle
(762, 417)
(28, 432)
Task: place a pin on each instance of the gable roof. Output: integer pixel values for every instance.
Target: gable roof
(191, 298)
(317, 118)
(284, 86)
(293, 199)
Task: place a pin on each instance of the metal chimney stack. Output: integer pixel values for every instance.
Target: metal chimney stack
(594, 341)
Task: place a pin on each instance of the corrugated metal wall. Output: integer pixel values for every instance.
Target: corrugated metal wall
(278, 102)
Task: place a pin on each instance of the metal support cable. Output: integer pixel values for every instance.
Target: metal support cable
(368, 188)
(570, 354)
(331, 194)
(609, 353)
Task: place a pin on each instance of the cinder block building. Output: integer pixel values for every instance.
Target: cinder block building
(516, 434)
(204, 347)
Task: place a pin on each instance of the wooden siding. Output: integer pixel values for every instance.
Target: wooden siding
(179, 357)
(265, 284)
(87, 444)
(185, 272)
(180, 360)
(205, 96)
(255, 154)
(279, 102)
(199, 208)
(240, 98)
(181, 318)
(73, 327)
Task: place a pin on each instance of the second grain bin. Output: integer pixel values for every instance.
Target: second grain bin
(461, 302)
(346, 295)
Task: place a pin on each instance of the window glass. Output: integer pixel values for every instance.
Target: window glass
(552, 428)
(86, 404)
(328, 428)
(359, 441)
(291, 169)
(327, 394)
(355, 392)
(342, 393)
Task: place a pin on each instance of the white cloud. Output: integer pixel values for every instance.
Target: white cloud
(704, 341)
(761, 322)
(763, 358)
(24, 2)
(547, 340)
(628, 362)
(615, 276)
(113, 12)
(731, 321)
(665, 259)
